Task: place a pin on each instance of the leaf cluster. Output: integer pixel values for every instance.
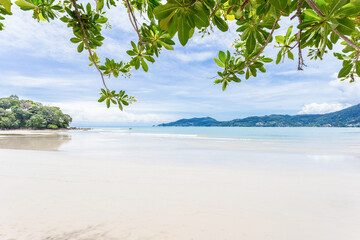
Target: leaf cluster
(319, 26)
(121, 99)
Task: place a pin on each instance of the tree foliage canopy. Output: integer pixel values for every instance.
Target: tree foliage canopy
(320, 25)
(18, 113)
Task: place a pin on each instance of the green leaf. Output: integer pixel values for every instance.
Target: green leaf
(102, 20)
(133, 45)
(102, 98)
(220, 23)
(6, 4)
(225, 83)
(247, 74)
(124, 102)
(173, 25)
(108, 102)
(290, 55)
(228, 55)
(100, 4)
(278, 57)
(260, 37)
(183, 31)
(311, 15)
(288, 32)
(23, 6)
(253, 71)
(336, 5)
(345, 70)
(262, 69)
(219, 63)
(222, 57)
(120, 106)
(99, 38)
(334, 37)
(137, 63)
(357, 68)
(164, 11)
(280, 39)
(144, 65)
(323, 5)
(75, 40)
(250, 43)
(131, 52)
(305, 24)
(345, 26)
(149, 58)
(350, 9)
(269, 23)
(199, 16)
(88, 7)
(263, 8)
(267, 60)
(165, 22)
(279, 4)
(56, 7)
(80, 47)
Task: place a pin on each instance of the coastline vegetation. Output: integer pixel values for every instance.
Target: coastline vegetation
(18, 113)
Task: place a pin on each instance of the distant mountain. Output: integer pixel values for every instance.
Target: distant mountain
(348, 117)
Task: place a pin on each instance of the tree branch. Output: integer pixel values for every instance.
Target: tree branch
(301, 63)
(263, 47)
(88, 46)
(134, 23)
(321, 14)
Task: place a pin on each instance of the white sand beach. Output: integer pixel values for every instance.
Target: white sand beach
(62, 194)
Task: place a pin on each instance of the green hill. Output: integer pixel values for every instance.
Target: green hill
(349, 117)
(18, 113)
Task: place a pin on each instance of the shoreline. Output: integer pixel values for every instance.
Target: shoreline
(45, 129)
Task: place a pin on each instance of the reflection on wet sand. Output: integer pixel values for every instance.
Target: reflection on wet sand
(45, 142)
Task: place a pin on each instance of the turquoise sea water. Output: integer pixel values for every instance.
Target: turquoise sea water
(282, 147)
(347, 138)
(300, 134)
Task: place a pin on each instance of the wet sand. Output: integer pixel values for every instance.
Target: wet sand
(59, 195)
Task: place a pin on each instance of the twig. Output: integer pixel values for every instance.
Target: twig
(88, 46)
(321, 14)
(263, 47)
(244, 4)
(301, 63)
(134, 24)
(97, 7)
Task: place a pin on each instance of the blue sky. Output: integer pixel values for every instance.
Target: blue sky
(38, 62)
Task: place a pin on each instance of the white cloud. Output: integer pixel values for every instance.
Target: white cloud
(194, 56)
(92, 111)
(52, 40)
(42, 39)
(44, 82)
(320, 108)
(349, 92)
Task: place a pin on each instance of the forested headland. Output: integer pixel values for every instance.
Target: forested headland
(348, 117)
(18, 113)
